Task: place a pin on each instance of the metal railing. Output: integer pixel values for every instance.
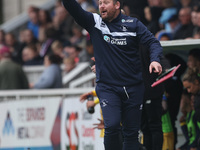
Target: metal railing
(6, 95)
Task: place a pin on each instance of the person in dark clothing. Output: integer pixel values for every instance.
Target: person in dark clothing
(50, 37)
(15, 47)
(152, 15)
(186, 28)
(27, 38)
(12, 75)
(194, 58)
(2, 37)
(137, 8)
(174, 88)
(120, 88)
(151, 124)
(30, 56)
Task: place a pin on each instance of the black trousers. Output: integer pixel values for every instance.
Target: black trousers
(151, 124)
(121, 105)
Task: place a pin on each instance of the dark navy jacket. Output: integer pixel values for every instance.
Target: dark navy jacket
(116, 45)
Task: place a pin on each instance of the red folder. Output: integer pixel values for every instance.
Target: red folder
(167, 76)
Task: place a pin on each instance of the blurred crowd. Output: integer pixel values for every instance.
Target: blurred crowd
(55, 31)
(49, 34)
(173, 19)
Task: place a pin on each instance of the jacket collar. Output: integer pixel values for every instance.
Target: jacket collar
(117, 18)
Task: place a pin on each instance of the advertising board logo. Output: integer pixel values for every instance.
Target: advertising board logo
(32, 132)
(106, 38)
(28, 115)
(88, 132)
(8, 126)
(72, 131)
(31, 114)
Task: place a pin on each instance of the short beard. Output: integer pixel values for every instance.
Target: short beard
(111, 16)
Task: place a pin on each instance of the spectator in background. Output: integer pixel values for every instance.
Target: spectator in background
(191, 124)
(15, 47)
(32, 8)
(58, 3)
(187, 3)
(21, 36)
(194, 17)
(168, 134)
(137, 8)
(49, 37)
(51, 76)
(58, 49)
(185, 98)
(126, 9)
(167, 13)
(45, 21)
(31, 56)
(174, 89)
(191, 81)
(2, 37)
(164, 36)
(194, 58)
(152, 14)
(186, 29)
(33, 23)
(86, 54)
(73, 52)
(62, 22)
(44, 18)
(77, 36)
(174, 24)
(69, 64)
(157, 3)
(28, 38)
(196, 21)
(196, 35)
(11, 74)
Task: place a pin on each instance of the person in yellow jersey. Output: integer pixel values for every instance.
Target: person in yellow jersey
(168, 133)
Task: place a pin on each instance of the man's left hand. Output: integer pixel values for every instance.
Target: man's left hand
(156, 66)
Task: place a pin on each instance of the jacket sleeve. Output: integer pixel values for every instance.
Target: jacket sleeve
(82, 17)
(146, 38)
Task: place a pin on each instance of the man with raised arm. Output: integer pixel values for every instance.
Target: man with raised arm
(116, 38)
